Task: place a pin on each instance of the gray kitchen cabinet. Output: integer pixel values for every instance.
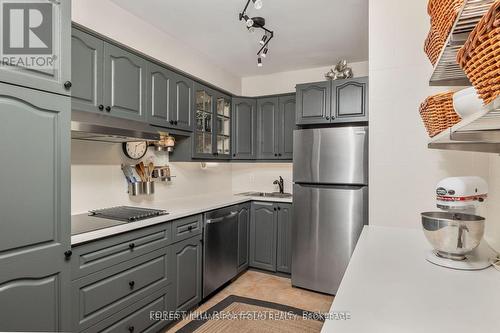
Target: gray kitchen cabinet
(339, 101)
(182, 103)
(267, 127)
(349, 100)
(35, 206)
(169, 98)
(313, 103)
(124, 83)
(160, 83)
(212, 131)
(56, 76)
(87, 54)
(109, 291)
(244, 128)
(286, 125)
(188, 267)
(263, 236)
(284, 240)
(137, 317)
(243, 235)
(187, 227)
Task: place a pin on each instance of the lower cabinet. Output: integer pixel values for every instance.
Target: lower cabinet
(243, 228)
(187, 260)
(129, 282)
(270, 236)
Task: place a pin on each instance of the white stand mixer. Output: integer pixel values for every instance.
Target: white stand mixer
(456, 232)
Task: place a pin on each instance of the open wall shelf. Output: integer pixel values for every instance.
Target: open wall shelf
(446, 71)
(478, 132)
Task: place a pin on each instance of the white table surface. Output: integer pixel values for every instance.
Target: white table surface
(177, 208)
(390, 287)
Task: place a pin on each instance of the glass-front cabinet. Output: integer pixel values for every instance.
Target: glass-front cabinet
(212, 136)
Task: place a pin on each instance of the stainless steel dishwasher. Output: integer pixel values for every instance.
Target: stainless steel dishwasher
(220, 248)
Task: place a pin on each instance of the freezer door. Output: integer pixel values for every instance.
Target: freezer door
(331, 155)
(327, 222)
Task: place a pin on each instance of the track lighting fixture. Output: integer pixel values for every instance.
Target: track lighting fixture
(257, 22)
(257, 4)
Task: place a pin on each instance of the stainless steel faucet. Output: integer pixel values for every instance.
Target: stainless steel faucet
(280, 183)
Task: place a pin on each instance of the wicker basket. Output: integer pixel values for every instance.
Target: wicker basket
(438, 114)
(480, 55)
(443, 14)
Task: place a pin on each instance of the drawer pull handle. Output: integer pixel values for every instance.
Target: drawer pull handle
(68, 254)
(190, 228)
(131, 246)
(131, 329)
(131, 284)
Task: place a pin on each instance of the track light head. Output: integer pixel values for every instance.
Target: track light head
(263, 40)
(264, 53)
(259, 62)
(257, 4)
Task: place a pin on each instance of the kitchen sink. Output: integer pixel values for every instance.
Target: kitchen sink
(267, 194)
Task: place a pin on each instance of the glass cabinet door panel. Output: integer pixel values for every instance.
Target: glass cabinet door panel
(207, 147)
(207, 118)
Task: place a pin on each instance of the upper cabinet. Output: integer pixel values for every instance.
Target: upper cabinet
(124, 83)
(339, 101)
(53, 51)
(87, 68)
(267, 128)
(313, 103)
(349, 100)
(182, 96)
(275, 125)
(212, 114)
(244, 130)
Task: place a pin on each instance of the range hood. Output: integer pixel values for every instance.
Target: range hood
(101, 127)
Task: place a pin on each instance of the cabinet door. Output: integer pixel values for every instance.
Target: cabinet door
(35, 206)
(349, 100)
(159, 88)
(243, 227)
(313, 103)
(222, 118)
(263, 236)
(244, 128)
(124, 83)
(187, 259)
(182, 103)
(286, 126)
(53, 51)
(87, 69)
(203, 113)
(284, 247)
(267, 127)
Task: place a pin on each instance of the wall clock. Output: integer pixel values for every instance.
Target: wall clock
(135, 150)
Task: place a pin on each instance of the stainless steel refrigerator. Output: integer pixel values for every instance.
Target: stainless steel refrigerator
(330, 203)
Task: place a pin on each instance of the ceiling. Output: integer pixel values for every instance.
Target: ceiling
(308, 33)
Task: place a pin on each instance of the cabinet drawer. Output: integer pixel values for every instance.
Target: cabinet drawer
(186, 227)
(138, 317)
(101, 294)
(96, 256)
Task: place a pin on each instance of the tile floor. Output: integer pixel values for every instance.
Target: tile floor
(267, 287)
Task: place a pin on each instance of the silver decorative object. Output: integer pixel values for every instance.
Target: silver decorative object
(340, 71)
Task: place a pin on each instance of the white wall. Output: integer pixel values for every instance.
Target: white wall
(98, 182)
(112, 21)
(284, 82)
(403, 171)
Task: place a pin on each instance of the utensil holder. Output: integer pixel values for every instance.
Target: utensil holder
(140, 188)
(148, 188)
(135, 189)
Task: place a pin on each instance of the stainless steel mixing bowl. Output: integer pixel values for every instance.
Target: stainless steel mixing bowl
(453, 235)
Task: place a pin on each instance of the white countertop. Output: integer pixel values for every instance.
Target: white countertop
(390, 287)
(177, 208)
